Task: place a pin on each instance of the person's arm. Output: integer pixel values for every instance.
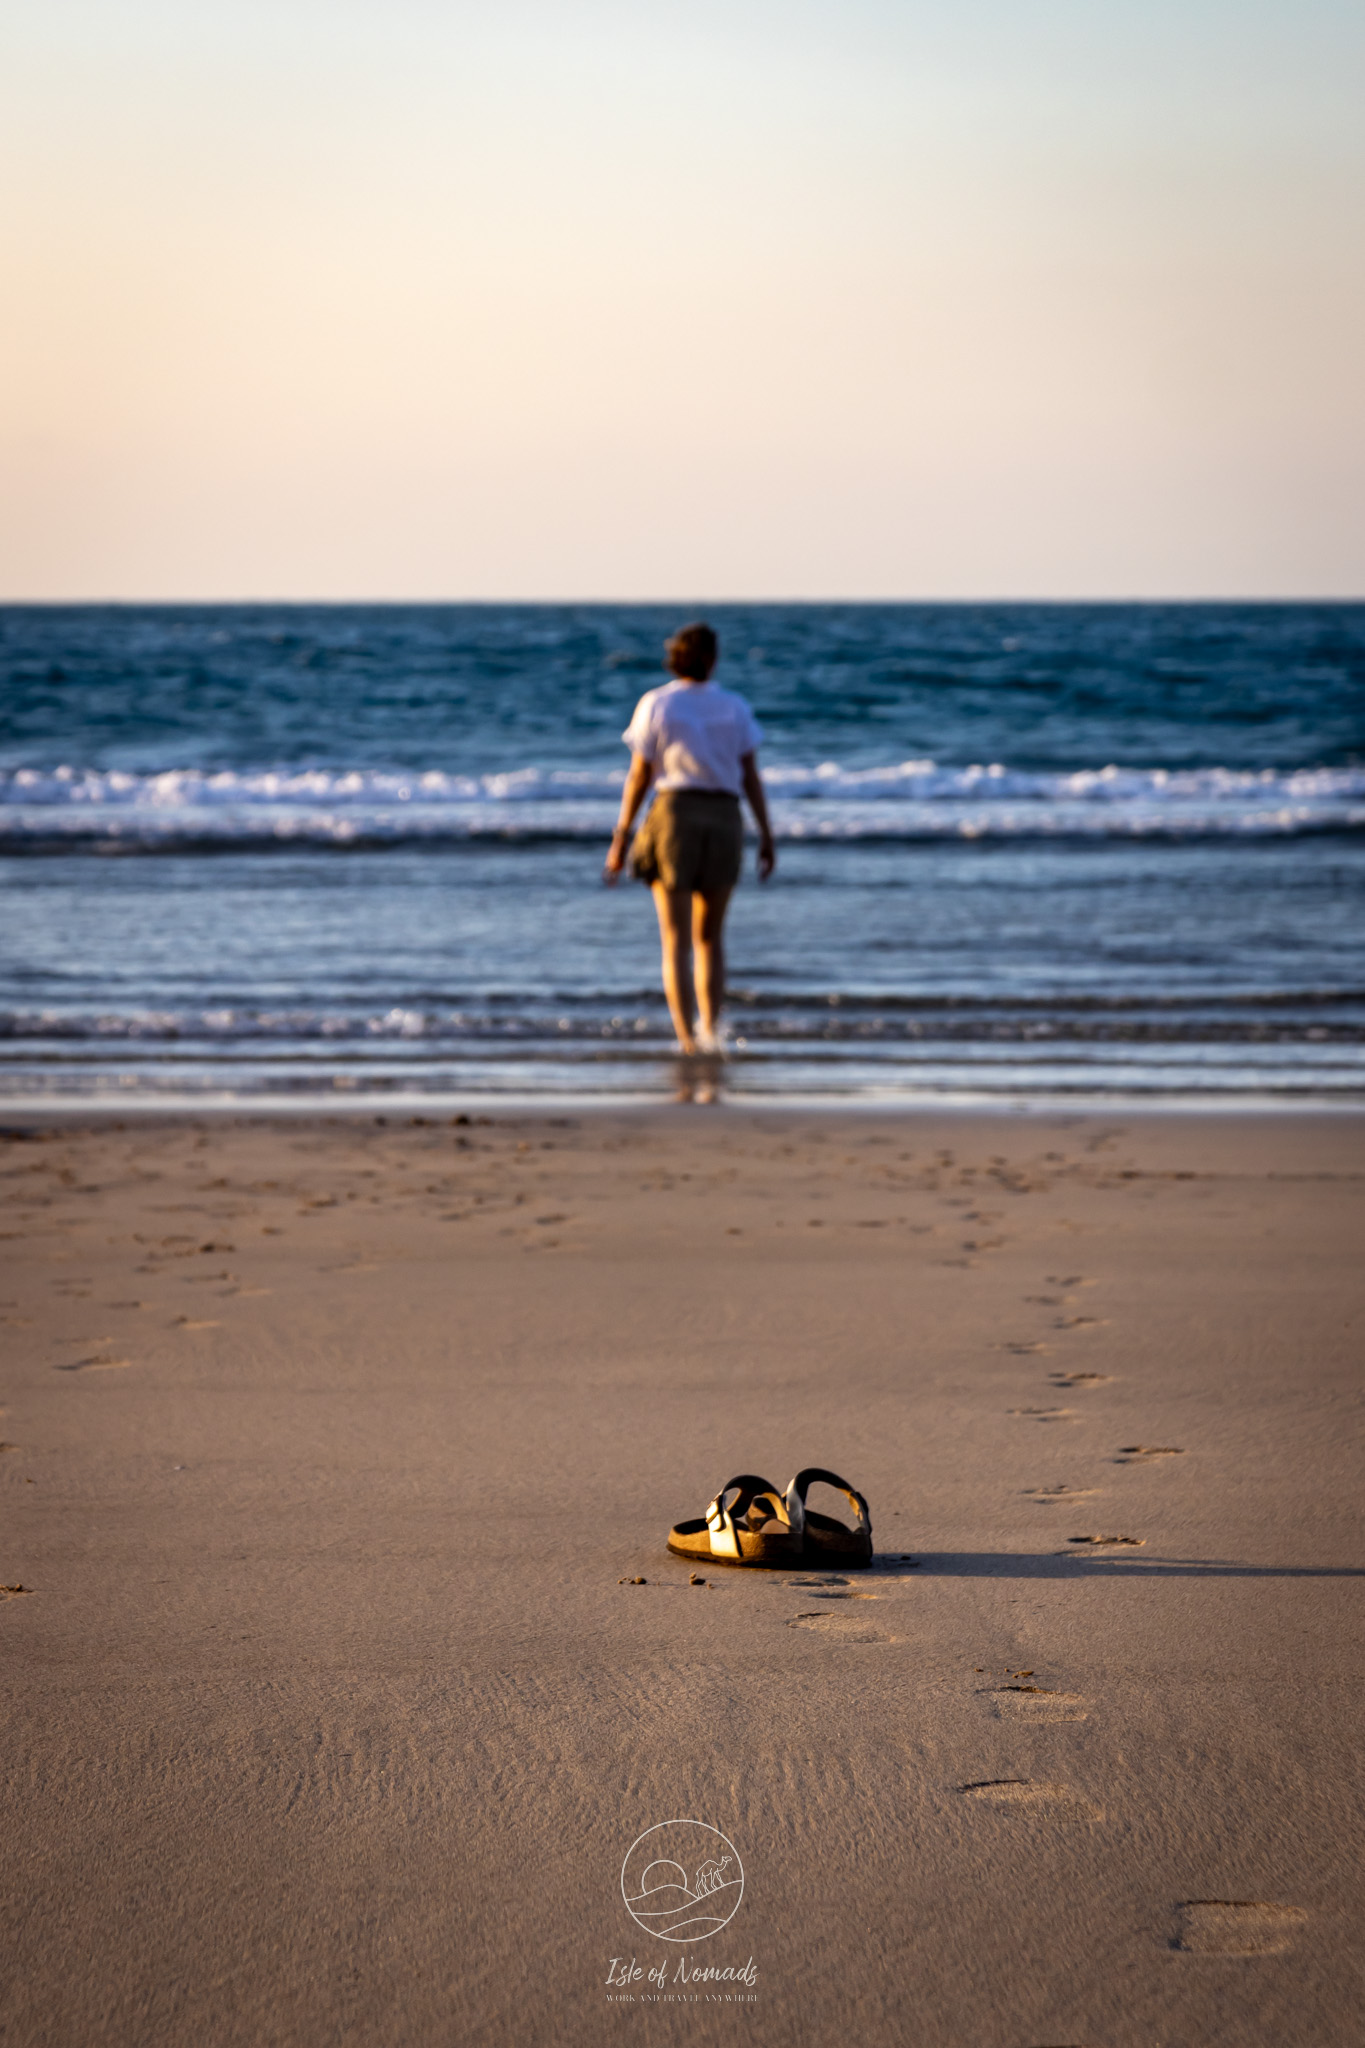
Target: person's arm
(758, 804)
(632, 796)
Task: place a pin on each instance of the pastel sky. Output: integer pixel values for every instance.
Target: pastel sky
(682, 298)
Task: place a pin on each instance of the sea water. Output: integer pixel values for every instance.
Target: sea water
(353, 852)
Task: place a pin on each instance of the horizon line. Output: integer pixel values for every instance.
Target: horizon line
(655, 603)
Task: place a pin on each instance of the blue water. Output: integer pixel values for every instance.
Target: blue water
(300, 850)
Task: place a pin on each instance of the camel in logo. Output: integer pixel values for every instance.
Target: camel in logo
(662, 1896)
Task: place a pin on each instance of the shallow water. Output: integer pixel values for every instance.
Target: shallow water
(357, 850)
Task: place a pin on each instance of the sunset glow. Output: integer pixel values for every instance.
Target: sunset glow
(657, 299)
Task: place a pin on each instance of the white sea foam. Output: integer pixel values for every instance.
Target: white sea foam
(914, 799)
(1325, 1018)
(916, 781)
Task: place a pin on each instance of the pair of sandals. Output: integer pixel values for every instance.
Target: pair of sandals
(775, 1531)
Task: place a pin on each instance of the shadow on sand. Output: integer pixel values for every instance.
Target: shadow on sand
(1005, 1564)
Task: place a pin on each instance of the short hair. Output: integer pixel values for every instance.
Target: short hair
(692, 652)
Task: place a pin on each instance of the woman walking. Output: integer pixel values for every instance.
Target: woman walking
(696, 745)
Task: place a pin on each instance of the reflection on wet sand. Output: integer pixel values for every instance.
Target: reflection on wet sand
(696, 1077)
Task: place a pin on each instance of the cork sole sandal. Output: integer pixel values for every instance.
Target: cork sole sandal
(819, 1538)
(754, 1530)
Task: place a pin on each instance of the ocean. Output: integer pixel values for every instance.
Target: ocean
(291, 853)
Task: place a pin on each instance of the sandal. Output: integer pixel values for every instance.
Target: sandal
(819, 1538)
(740, 1534)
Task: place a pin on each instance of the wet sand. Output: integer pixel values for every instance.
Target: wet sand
(330, 1445)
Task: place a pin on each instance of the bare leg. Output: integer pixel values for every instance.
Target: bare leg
(708, 924)
(675, 934)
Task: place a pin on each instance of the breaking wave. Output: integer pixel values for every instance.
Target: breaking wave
(119, 810)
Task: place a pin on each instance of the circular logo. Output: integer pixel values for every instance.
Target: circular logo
(682, 1880)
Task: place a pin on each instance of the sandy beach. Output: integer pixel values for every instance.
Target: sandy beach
(344, 1661)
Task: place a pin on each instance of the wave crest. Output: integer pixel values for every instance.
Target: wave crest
(909, 800)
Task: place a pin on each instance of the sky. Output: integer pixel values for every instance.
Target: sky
(682, 299)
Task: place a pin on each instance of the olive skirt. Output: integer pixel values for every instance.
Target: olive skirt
(691, 839)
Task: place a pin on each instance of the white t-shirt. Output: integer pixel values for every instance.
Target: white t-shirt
(696, 734)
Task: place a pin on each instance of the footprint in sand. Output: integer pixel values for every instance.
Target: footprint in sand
(1035, 1703)
(1111, 1542)
(1029, 1794)
(1054, 1496)
(189, 1323)
(1080, 1322)
(93, 1365)
(1135, 1454)
(1069, 1280)
(15, 1592)
(848, 1628)
(1047, 1414)
(838, 1593)
(1081, 1379)
(1236, 1927)
(1025, 1350)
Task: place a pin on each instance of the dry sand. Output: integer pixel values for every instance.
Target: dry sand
(329, 1719)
